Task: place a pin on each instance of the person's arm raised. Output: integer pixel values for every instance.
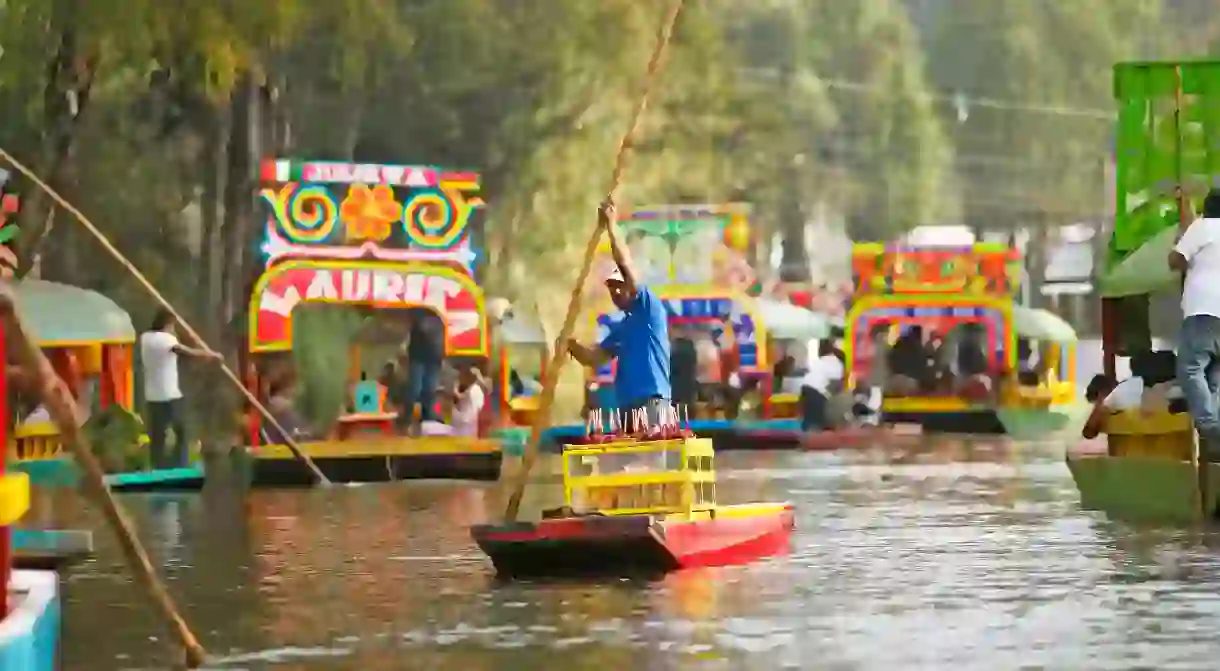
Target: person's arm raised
(606, 218)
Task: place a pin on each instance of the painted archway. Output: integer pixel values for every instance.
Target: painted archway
(449, 293)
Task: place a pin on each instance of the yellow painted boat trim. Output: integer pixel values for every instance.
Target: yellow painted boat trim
(383, 447)
(928, 404)
(523, 403)
(14, 498)
(738, 511)
(36, 430)
(781, 399)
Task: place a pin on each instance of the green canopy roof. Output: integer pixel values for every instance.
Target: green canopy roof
(1041, 325)
(60, 314)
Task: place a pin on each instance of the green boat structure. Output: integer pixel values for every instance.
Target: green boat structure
(1168, 136)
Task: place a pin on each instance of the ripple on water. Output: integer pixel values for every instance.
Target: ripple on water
(978, 558)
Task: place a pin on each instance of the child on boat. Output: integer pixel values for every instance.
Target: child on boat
(1151, 388)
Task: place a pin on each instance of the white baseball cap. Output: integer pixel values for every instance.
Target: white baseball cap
(615, 275)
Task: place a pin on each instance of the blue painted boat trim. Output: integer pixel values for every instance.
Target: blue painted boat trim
(29, 636)
(56, 542)
(48, 472)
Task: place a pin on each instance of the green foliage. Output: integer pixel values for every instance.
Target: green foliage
(322, 337)
(802, 107)
(117, 437)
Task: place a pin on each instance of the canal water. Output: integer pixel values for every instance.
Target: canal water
(954, 555)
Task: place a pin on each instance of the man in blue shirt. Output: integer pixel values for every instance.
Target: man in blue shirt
(640, 340)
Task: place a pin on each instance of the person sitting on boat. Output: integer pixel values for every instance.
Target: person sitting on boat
(907, 362)
(824, 379)
(684, 369)
(640, 341)
(936, 353)
(1151, 388)
(281, 402)
(469, 398)
(1197, 255)
(970, 368)
(1028, 365)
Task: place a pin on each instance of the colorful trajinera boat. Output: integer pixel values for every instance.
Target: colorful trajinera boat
(29, 599)
(1148, 470)
(89, 340)
(692, 258)
(964, 297)
(353, 252)
(634, 506)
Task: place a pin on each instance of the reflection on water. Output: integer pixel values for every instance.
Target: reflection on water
(957, 555)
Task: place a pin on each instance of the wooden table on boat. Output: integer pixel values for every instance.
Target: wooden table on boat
(359, 422)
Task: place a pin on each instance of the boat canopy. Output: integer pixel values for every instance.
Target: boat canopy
(517, 330)
(785, 321)
(1144, 271)
(61, 315)
(1041, 325)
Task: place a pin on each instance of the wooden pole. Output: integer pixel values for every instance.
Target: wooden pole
(1185, 217)
(551, 376)
(64, 412)
(152, 291)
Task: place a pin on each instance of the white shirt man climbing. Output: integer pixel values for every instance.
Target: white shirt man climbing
(1197, 254)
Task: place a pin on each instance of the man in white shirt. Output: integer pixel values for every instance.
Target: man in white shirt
(159, 352)
(1197, 254)
(823, 379)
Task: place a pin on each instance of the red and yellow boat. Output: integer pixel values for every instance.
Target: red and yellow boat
(638, 507)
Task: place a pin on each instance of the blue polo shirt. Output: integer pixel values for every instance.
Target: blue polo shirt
(640, 342)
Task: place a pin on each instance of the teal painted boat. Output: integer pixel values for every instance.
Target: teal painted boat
(65, 473)
(186, 479)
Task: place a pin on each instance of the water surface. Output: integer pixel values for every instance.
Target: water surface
(963, 556)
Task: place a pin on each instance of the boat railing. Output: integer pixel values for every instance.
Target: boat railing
(37, 441)
(630, 477)
(1136, 433)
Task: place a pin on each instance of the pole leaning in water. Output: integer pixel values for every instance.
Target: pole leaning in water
(118, 256)
(56, 399)
(1202, 463)
(551, 376)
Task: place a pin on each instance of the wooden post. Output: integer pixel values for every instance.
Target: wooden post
(6, 534)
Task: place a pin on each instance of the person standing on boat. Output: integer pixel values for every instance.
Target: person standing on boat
(640, 340)
(1197, 254)
(159, 352)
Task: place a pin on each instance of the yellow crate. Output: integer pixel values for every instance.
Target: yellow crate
(641, 477)
(1134, 433)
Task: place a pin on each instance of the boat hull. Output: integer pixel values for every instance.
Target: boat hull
(375, 460)
(1143, 489)
(63, 472)
(29, 636)
(636, 545)
(726, 435)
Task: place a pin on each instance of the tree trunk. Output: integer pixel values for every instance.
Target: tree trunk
(65, 97)
(238, 197)
(212, 175)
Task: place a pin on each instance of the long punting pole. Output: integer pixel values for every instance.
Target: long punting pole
(59, 403)
(1202, 488)
(152, 291)
(551, 375)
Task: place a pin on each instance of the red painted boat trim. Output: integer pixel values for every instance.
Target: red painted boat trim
(722, 541)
